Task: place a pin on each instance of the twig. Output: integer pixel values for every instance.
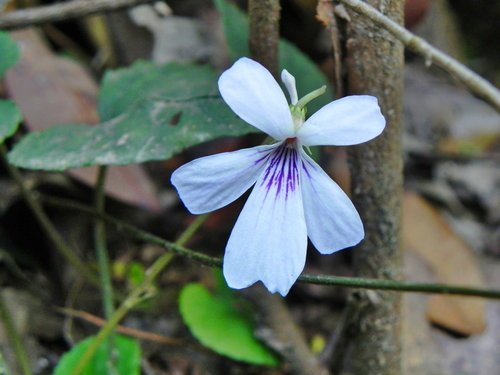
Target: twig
(63, 11)
(100, 244)
(132, 332)
(56, 239)
(351, 282)
(103, 257)
(14, 338)
(475, 83)
(325, 12)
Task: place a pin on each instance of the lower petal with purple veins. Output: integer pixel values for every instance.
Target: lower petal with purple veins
(269, 240)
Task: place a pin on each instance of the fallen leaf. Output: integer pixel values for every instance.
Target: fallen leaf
(53, 90)
(451, 260)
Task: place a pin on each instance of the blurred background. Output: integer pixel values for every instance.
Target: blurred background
(451, 227)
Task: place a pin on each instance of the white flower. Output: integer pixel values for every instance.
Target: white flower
(293, 198)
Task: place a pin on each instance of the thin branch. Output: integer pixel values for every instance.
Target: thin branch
(132, 332)
(325, 13)
(100, 245)
(475, 83)
(63, 11)
(351, 282)
(102, 255)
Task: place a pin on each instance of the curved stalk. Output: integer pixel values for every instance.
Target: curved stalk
(350, 282)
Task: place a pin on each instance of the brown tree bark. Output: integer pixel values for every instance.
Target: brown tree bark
(375, 66)
(264, 32)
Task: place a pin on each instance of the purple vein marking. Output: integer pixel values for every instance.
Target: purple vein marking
(268, 152)
(275, 158)
(282, 172)
(305, 169)
(292, 177)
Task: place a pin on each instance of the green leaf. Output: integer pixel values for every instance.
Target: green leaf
(10, 118)
(217, 323)
(9, 52)
(128, 358)
(149, 112)
(307, 75)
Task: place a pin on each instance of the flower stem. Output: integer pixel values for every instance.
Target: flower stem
(137, 294)
(311, 96)
(100, 245)
(351, 282)
(14, 338)
(103, 257)
(40, 215)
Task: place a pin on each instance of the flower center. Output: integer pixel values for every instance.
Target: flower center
(299, 110)
(290, 142)
(298, 116)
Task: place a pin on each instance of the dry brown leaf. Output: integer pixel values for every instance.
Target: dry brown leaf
(52, 90)
(451, 260)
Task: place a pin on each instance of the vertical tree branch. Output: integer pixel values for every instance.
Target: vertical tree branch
(264, 32)
(375, 67)
(325, 13)
(281, 331)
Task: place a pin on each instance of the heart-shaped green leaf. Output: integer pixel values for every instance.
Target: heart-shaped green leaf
(149, 112)
(217, 323)
(127, 358)
(10, 118)
(9, 52)
(307, 75)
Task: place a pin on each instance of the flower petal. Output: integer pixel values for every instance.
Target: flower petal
(269, 239)
(347, 121)
(289, 82)
(209, 183)
(332, 220)
(255, 96)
